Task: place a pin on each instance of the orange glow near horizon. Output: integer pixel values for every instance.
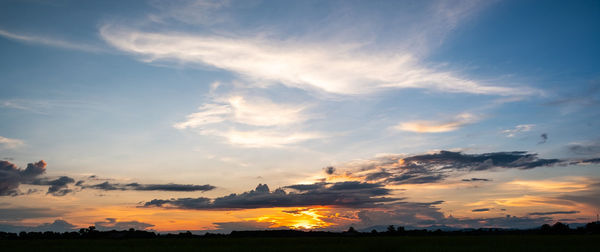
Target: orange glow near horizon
(303, 219)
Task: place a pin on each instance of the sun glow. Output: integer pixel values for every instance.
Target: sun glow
(303, 219)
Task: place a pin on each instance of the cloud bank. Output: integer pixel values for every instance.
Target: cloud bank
(349, 194)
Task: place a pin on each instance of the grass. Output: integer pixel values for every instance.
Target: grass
(527, 243)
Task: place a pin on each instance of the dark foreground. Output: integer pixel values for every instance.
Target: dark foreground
(380, 243)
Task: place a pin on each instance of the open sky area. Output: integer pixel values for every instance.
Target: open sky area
(235, 115)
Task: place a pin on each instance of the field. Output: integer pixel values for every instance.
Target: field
(528, 243)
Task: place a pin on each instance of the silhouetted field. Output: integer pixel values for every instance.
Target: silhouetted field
(379, 243)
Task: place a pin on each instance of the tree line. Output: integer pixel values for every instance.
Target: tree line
(92, 233)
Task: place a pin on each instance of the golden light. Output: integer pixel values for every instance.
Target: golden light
(306, 218)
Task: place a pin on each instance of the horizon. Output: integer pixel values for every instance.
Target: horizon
(213, 116)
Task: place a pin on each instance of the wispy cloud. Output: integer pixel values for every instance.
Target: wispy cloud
(268, 122)
(329, 58)
(10, 143)
(50, 42)
(518, 129)
(257, 112)
(265, 138)
(425, 126)
(337, 69)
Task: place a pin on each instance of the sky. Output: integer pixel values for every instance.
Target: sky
(214, 116)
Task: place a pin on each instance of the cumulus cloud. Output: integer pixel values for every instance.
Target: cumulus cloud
(437, 126)
(107, 186)
(11, 176)
(113, 224)
(434, 167)
(349, 194)
(518, 129)
(10, 143)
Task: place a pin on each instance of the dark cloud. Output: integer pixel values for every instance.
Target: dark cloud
(329, 170)
(586, 148)
(593, 160)
(402, 213)
(476, 179)
(56, 226)
(430, 168)
(499, 222)
(11, 176)
(58, 187)
(544, 137)
(423, 215)
(346, 194)
(107, 186)
(481, 210)
(113, 224)
(556, 212)
(21, 213)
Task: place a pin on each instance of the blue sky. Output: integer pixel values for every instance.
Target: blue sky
(237, 93)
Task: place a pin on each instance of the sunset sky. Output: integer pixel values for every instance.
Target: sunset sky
(236, 115)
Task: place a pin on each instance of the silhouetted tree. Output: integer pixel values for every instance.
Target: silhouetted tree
(560, 228)
(391, 229)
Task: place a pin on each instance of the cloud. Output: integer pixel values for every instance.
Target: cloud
(269, 122)
(476, 179)
(10, 143)
(11, 176)
(266, 138)
(518, 129)
(590, 196)
(113, 224)
(544, 137)
(437, 126)
(344, 68)
(237, 109)
(50, 42)
(435, 167)
(194, 12)
(481, 210)
(348, 194)
(329, 170)
(402, 213)
(585, 148)
(58, 187)
(56, 226)
(107, 186)
(552, 213)
(21, 213)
